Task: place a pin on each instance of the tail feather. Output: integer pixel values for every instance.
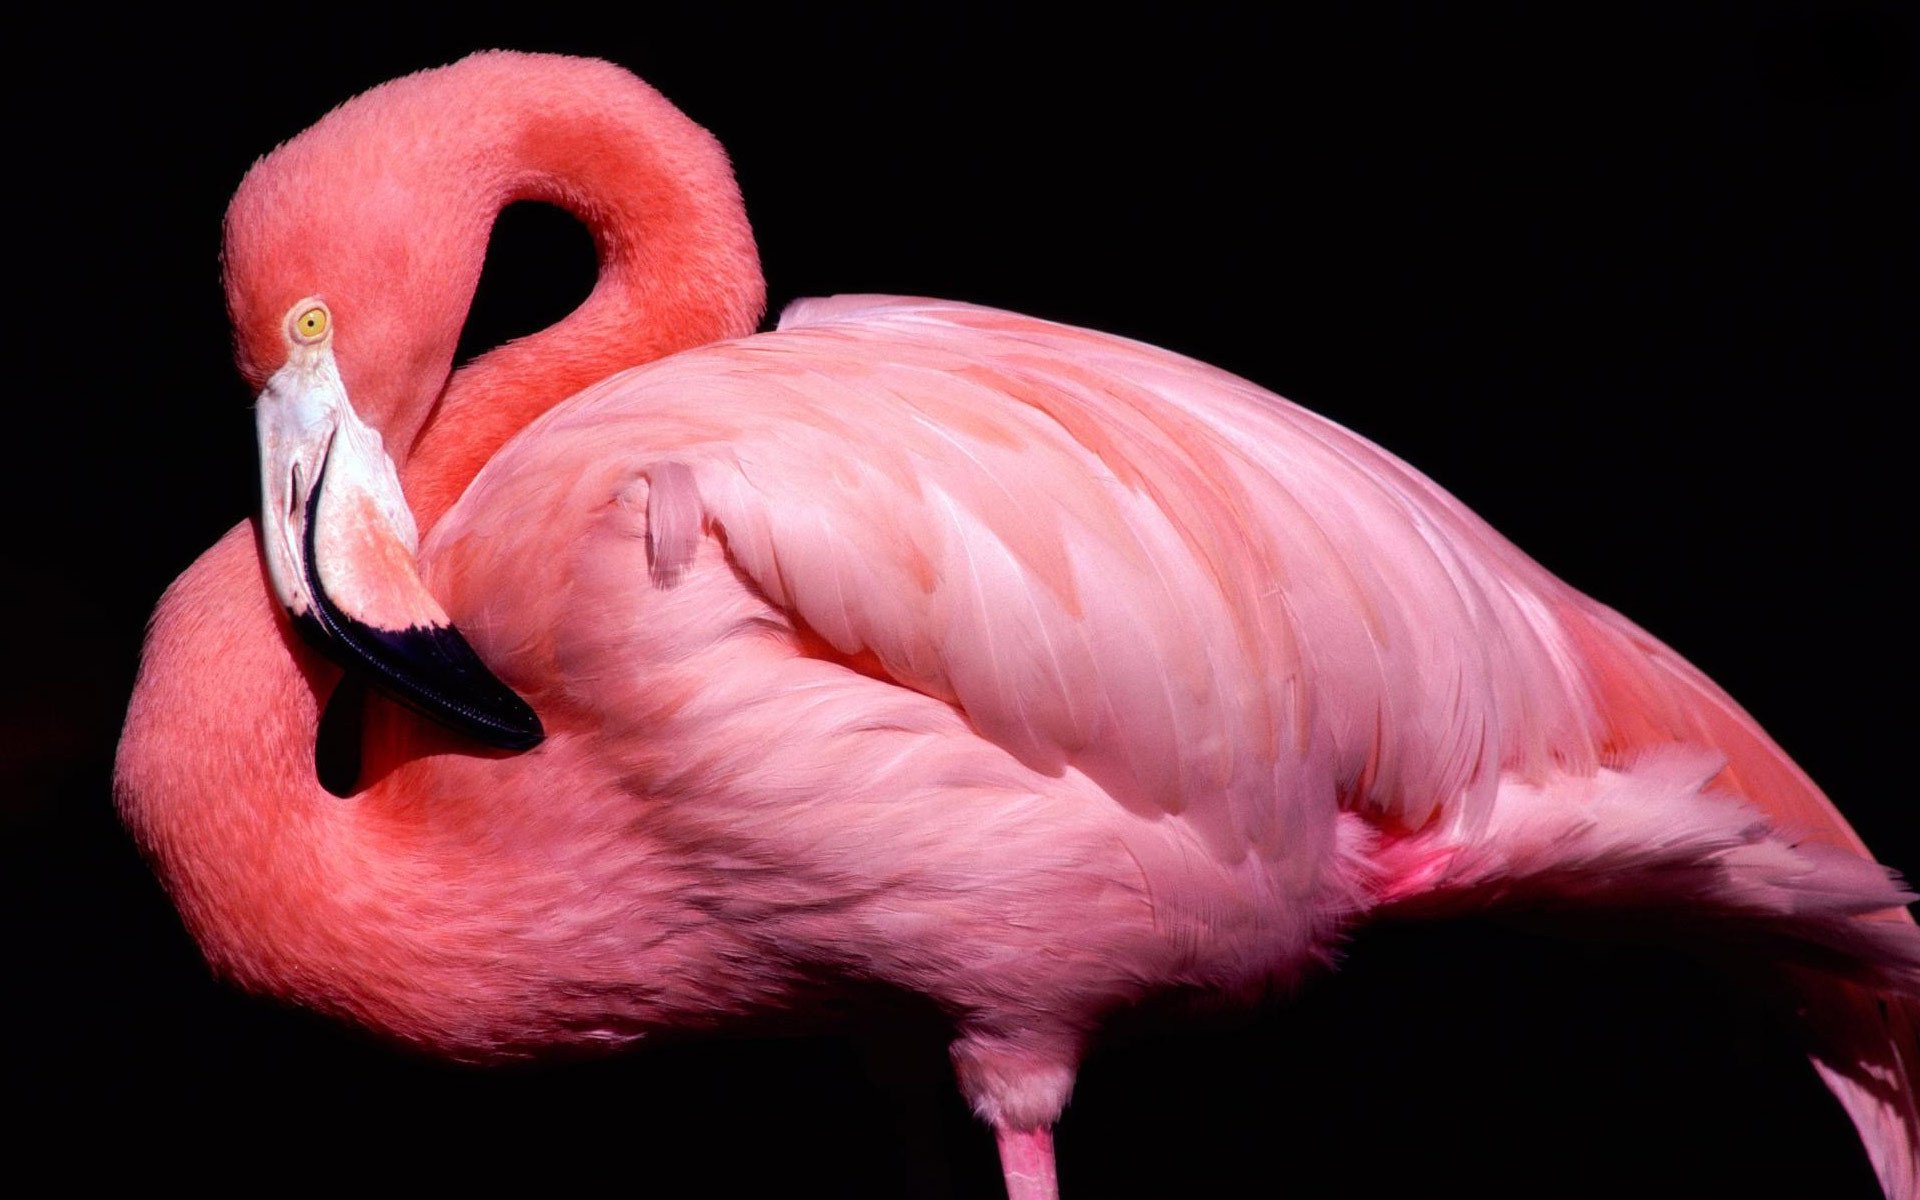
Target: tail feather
(1656, 839)
(1866, 1048)
(1861, 1007)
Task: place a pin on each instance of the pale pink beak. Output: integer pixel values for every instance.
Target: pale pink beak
(339, 542)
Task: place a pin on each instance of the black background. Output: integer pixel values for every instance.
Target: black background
(1633, 284)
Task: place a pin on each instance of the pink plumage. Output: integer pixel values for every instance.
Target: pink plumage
(1028, 669)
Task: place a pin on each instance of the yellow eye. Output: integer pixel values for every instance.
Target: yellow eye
(309, 321)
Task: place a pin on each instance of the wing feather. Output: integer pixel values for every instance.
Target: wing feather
(1115, 560)
(1109, 558)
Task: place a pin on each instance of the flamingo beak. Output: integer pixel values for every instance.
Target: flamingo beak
(340, 542)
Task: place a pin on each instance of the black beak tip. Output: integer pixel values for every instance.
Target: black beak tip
(431, 669)
(519, 730)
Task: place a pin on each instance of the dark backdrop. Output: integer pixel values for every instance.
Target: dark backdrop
(1635, 285)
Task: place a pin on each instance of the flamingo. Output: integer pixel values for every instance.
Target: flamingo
(1031, 670)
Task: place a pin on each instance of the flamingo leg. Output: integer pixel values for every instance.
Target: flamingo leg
(1026, 1158)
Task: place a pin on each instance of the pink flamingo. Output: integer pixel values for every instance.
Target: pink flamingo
(1026, 668)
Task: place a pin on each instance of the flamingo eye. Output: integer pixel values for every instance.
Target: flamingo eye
(308, 322)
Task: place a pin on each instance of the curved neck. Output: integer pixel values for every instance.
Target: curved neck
(384, 209)
(678, 269)
(422, 907)
(227, 809)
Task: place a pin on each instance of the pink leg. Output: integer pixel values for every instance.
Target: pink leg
(1026, 1156)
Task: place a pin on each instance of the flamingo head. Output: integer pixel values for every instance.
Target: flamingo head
(351, 255)
(339, 542)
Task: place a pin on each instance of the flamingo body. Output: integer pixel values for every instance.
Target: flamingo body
(1028, 669)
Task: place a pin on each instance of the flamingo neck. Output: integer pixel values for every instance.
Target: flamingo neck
(384, 209)
(678, 268)
(214, 773)
(424, 906)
